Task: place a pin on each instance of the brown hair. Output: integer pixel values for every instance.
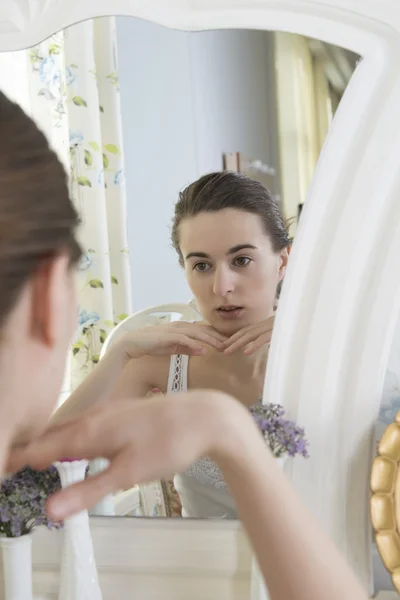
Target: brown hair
(37, 218)
(226, 189)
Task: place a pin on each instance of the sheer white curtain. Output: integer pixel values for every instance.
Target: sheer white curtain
(304, 116)
(69, 85)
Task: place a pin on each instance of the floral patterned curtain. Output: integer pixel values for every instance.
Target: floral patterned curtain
(74, 97)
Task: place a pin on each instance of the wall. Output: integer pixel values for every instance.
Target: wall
(186, 99)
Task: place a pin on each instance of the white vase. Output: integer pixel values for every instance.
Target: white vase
(281, 461)
(258, 590)
(106, 506)
(17, 566)
(78, 577)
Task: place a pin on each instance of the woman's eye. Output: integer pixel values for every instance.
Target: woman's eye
(242, 261)
(202, 266)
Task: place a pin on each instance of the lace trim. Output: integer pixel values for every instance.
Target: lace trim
(177, 381)
(207, 472)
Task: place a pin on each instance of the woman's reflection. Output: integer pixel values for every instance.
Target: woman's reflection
(234, 245)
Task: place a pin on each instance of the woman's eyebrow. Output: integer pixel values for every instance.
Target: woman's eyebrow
(198, 254)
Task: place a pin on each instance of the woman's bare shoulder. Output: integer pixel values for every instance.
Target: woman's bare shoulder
(152, 371)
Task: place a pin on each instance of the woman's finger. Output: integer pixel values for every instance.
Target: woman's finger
(219, 336)
(87, 493)
(195, 328)
(75, 439)
(252, 337)
(238, 335)
(208, 331)
(245, 339)
(204, 336)
(236, 346)
(257, 344)
(254, 330)
(183, 344)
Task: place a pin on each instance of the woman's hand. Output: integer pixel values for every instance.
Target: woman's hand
(149, 439)
(251, 337)
(175, 338)
(143, 440)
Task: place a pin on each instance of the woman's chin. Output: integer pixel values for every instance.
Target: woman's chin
(227, 328)
(230, 324)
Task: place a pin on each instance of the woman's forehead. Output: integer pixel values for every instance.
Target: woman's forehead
(221, 230)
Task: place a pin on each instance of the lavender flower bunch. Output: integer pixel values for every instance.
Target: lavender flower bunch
(22, 501)
(282, 435)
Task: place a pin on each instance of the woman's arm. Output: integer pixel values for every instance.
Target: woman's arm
(297, 560)
(114, 374)
(96, 387)
(147, 440)
(140, 376)
(137, 363)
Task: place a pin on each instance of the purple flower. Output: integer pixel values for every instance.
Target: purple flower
(281, 434)
(22, 500)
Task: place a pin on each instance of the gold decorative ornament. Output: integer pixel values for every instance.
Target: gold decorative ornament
(385, 500)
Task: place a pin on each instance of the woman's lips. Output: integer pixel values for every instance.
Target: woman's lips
(230, 312)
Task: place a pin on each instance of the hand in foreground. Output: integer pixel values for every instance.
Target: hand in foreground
(149, 439)
(251, 337)
(175, 338)
(143, 440)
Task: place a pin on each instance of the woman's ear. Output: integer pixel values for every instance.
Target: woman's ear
(50, 295)
(284, 257)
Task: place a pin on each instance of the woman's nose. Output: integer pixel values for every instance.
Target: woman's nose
(223, 282)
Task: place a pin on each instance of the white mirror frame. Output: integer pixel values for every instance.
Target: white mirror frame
(341, 295)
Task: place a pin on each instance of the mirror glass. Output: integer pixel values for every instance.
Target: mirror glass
(138, 112)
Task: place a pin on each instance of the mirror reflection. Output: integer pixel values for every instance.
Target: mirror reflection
(190, 156)
(384, 573)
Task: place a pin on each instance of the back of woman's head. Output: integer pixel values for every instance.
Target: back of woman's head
(37, 218)
(225, 189)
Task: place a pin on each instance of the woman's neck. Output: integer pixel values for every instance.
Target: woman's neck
(253, 365)
(256, 362)
(6, 440)
(13, 408)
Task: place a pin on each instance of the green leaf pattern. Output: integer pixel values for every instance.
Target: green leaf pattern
(84, 181)
(77, 87)
(79, 101)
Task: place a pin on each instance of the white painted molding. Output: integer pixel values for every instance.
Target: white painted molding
(341, 295)
(173, 559)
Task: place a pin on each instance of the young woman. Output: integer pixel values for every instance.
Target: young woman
(143, 440)
(233, 244)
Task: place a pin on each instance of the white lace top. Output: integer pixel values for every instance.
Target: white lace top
(202, 489)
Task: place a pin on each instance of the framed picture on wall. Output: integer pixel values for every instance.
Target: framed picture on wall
(253, 168)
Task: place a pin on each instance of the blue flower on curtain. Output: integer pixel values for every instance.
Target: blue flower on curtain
(75, 137)
(70, 76)
(86, 319)
(50, 72)
(119, 177)
(100, 178)
(86, 262)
